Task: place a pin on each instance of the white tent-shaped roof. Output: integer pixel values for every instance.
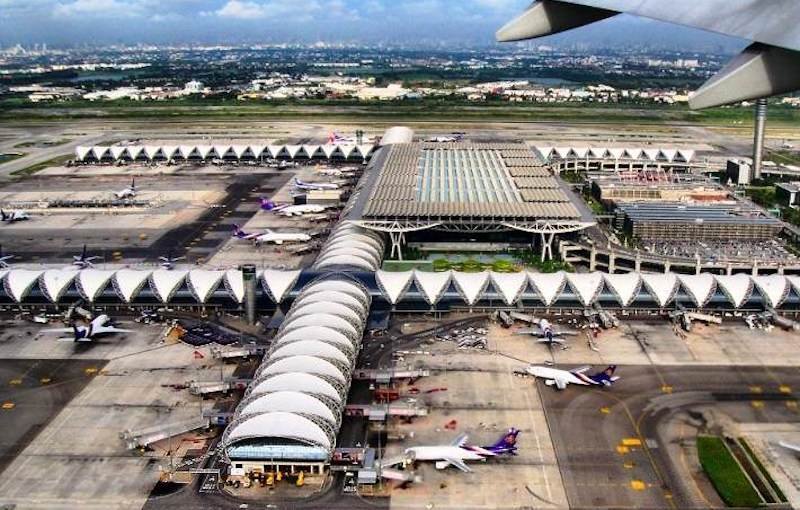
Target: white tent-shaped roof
(587, 286)
(432, 284)
(295, 381)
(509, 285)
(202, 283)
(313, 348)
(548, 285)
(83, 152)
(129, 282)
(337, 309)
(234, 282)
(166, 282)
(470, 285)
(330, 320)
(624, 286)
(794, 281)
(775, 288)
(92, 282)
(320, 333)
(700, 287)
(279, 283)
(288, 402)
(661, 286)
(307, 364)
(616, 153)
(283, 425)
(394, 285)
(736, 287)
(55, 282)
(19, 283)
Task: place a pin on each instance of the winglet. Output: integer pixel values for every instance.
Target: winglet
(546, 17)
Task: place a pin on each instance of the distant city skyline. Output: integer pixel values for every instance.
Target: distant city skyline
(426, 23)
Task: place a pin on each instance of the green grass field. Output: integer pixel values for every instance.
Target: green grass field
(725, 474)
(57, 161)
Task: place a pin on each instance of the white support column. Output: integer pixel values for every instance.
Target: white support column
(397, 239)
(547, 245)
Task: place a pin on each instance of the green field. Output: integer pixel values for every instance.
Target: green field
(438, 109)
(57, 161)
(725, 474)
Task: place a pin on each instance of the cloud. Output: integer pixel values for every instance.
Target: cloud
(99, 8)
(246, 9)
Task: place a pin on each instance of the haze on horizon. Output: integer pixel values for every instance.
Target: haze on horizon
(428, 23)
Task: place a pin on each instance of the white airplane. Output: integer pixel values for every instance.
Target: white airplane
(765, 68)
(314, 186)
(291, 210)
(789, 446)
(335, 172)
(14, 216)
(458, 452)
(545, 333)
(445, 139)
(169, 261)
(270, 237)
(129, 192)
(562, 378)
(98, 327)
(83, 261)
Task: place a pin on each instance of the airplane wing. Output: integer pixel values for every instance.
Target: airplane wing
(581, 370)
(460, 464)
(529, 331)
(460, 440)
(560, 383)
(58, 330)
(770, 66)
(73, 340)
(117, 330)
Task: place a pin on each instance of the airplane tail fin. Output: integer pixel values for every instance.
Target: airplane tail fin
(238, 232)
(3, 215)
(507, 442)
(606, 377)
(266, 204)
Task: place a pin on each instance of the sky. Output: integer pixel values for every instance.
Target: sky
(467, 22)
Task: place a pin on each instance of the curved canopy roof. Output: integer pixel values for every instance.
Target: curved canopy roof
(19, 282)
(393, 285)
(55, 282)
(700, 287)
(129, 282)
(279, 283)
(661, 286)
(471, 285)
(624, 286)
(774, 288)
(279, 424)
(736, 287)
(313, 348)
(330, 320)
(331, 296)
(288, 402)
(321, 333)
(548, 285)
(510, 285)
(337, 309)
(166, 282)
(202, 283)
(92, 282)
(345, 287)
(344, 261)
(587, 286)
(306, 364)
(295, 381)
(432, 285)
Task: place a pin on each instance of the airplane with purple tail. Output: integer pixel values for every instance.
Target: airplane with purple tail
(290, 210)
(459, 452)
(563, 378)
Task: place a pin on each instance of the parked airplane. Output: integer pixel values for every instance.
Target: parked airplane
(545, 333)
(98, 327)
(336, 172)
(291, 210)
(270, 237)
(4, 259)
(129, 192)
(169, 261)
(14, 216)
(458, 452)
(314, 186)
(562, 378)
(83, 261)
(445, 139)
